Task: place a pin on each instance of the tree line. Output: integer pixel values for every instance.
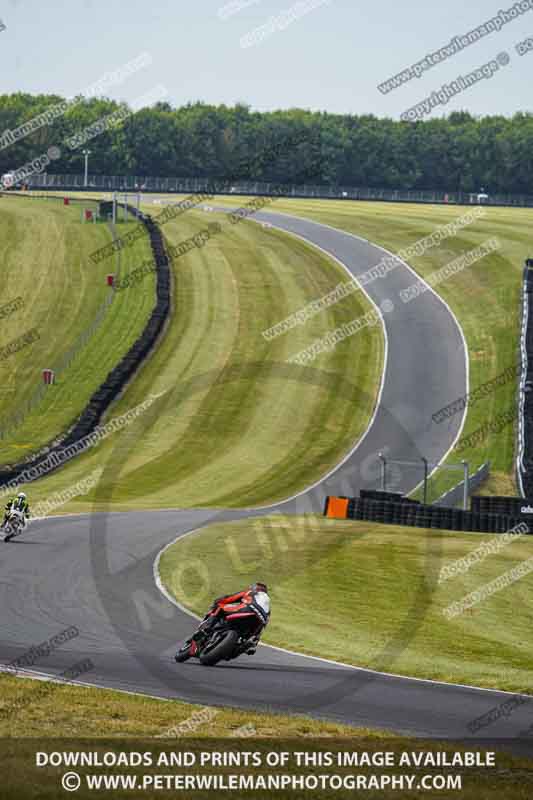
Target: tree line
(457, 153)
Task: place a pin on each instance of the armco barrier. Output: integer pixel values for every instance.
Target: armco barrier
(524, 462)
(418, 515)
(123, 371)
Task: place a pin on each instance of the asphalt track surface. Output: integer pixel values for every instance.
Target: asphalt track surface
(96, 572)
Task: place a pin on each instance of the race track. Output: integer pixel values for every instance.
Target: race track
(97, 572)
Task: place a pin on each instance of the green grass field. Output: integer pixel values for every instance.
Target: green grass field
(44, 250)
(238, 425)
(253, 279)
(68, 719)
(374, 592)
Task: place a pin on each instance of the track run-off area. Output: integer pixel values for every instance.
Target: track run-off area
(99, 572)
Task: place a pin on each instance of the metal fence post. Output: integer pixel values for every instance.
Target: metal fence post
(466, 486)
(425, 462)
(383, 472)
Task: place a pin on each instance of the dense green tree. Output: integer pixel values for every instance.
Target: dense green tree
(457, 153)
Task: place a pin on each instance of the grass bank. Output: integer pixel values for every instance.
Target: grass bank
(375, 593)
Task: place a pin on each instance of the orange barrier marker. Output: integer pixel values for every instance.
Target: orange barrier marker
(337, 507)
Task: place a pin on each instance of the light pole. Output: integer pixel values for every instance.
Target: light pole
(383, 471)
(86, 153)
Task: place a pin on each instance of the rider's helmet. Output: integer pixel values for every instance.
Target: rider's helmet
(21, 496)
(259, 587)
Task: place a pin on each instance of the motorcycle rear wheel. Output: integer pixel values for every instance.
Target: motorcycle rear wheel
(220, 651)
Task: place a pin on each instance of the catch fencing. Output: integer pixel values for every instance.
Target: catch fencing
(431, 481)
(454, 497)
(143, 183)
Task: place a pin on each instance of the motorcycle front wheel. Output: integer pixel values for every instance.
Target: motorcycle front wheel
(183, 654)
(222, 650)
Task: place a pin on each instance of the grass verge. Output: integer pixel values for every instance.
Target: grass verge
(30, 708)
(375, 595)
(238, 425)
(110, 726)
(45, 252)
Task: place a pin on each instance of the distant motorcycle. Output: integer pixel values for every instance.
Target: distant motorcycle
(14, 524)
(236, 631)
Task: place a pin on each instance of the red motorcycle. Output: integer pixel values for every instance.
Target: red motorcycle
(228, 630)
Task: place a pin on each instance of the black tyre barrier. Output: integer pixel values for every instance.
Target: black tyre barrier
(418, 515)
(119, 376)
(503, 506)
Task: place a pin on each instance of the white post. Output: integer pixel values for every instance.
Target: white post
(86, 153)
(114, 207)
(125, 207)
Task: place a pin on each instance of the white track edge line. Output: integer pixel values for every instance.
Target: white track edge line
(377, 402)
(46, 677)
(438, 296)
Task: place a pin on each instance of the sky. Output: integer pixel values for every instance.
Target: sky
(324, 55)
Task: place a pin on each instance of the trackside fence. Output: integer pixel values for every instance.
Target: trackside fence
(214, 185)
(456, 496)
(524, 461)
(431, 480)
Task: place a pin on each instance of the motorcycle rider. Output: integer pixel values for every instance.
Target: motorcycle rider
(18, 503)
(221, 603)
